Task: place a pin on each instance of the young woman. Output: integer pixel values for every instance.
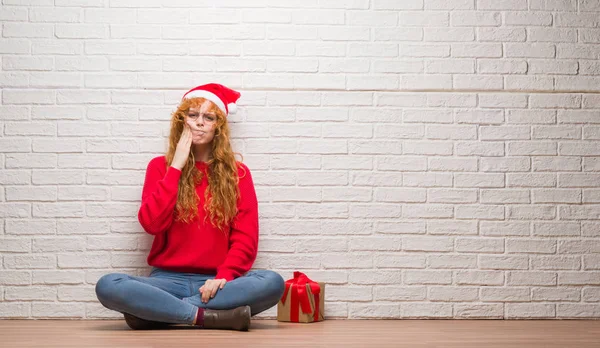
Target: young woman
(200, 205)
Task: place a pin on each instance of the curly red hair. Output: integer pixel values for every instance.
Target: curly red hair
(223, 191)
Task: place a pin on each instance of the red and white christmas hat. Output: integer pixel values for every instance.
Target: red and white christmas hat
(223, 97)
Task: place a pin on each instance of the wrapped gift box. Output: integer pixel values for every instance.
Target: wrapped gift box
(302, 300)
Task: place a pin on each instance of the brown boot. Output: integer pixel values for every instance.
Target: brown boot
(229, 319)
(136, 323)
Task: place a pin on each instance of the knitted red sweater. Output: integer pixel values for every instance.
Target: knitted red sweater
(197, 247)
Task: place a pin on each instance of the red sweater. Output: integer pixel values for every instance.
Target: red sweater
(197, 247)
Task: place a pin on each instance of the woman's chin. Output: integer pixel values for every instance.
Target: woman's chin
(199, 142)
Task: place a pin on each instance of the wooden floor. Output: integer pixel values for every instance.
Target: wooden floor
(329, 333)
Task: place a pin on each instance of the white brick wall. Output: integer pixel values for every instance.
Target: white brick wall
(424, 158)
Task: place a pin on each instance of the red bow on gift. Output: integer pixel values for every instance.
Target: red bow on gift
(300, 297)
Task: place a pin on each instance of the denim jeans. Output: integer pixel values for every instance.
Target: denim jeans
(173, 297)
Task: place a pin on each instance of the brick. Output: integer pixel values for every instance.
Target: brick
(332, 65)
(578, 278)
(448, 34)
(122, 80)
(473, 277)
(15, 210)
(581, 20)
(15, 193)
(474, 18)
(575, 310)
(312, 49)
(13, 14)
(448, 164)
(478, 50)
(393, 34)
(525, 148)
(427, 277)
(343, 260)
(504, 66)
(493, 262)
(57, 146)
(449, 5)
(15, 245)
(15, 46)
(427, 180)
(29, 30)
(556, 263)
(399, 260)
(452, 262)
(58, 277)
(375, 277)
(269, 16)
(420, 50)
(553, 5)
(57, 310)
(528, 83)
(529, 18)
(541, 212)
(479, 212)
(497, 294)
(27, 63)
(485, 34)
(530, 50)
(397, 66)
(406, 163)
(533, 310)
(424, 148)
(329, 210)
(82, 3)
(393, 5)
(423, 19)
(478, 245)
(349, 293)
(14, 310)
(441, 195)
(50, 244)
(374, 311)
(76, 293)
(505, 164)
(476, 311)
(349, 227)
(30, 96)
(514, 228)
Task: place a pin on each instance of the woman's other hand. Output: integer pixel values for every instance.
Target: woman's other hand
(210, 288)
(182, 152)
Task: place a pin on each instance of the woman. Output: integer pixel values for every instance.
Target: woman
(200, 205)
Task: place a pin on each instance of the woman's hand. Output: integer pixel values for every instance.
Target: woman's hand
(182, 152)
(210, 288)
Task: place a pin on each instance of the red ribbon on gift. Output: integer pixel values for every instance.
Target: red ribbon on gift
(299, 297)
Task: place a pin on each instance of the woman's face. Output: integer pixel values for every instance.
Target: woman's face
(202, 122)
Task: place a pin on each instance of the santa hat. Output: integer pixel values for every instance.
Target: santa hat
(223, 97)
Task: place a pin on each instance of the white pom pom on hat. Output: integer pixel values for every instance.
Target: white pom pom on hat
(232, 107)
(223, 97)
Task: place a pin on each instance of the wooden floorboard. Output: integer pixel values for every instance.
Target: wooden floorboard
(329, 333)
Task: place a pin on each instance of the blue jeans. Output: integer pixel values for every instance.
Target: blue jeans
(172, 297)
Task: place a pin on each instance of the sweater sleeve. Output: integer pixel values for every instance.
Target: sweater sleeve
(243, 235)
(159, 197)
